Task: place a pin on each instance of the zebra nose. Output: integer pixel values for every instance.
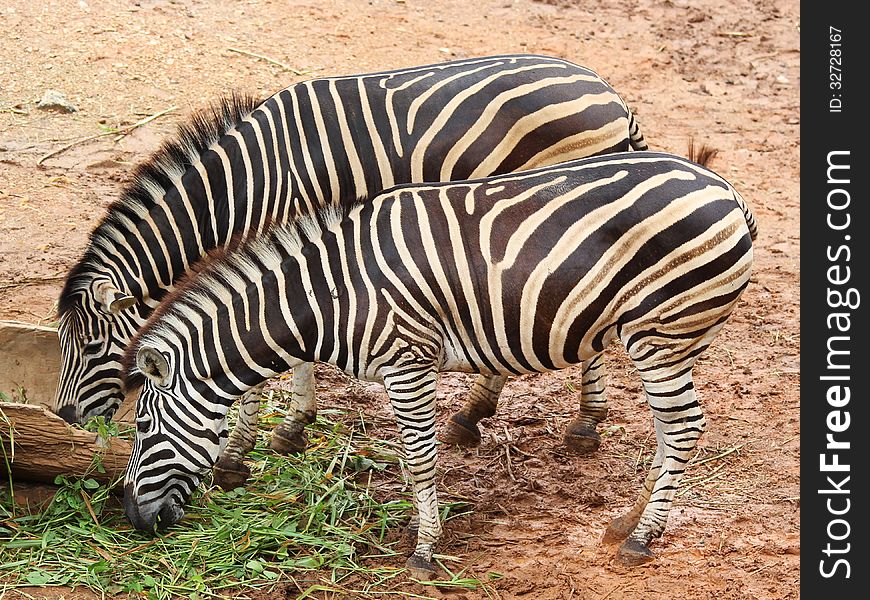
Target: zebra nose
(169, 514)
(68, 414)
(160, 514)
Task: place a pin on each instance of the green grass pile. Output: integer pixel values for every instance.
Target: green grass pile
(299, 517)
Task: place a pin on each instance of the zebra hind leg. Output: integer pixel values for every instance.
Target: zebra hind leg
(679, 424)
(461, 429)
(289, 436)
(581, 436)
(621, 527)
(230, 471)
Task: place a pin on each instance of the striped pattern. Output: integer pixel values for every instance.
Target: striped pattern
(521, 273)
(244, 164)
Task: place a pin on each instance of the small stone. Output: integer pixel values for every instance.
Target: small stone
(55, 101)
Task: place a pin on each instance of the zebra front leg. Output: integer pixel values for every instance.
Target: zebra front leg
(461, 429)
(412, 396)
(679, 424)
(581, 436)
(230, 471)
(289, 436)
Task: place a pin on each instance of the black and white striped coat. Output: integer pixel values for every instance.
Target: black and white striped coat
(321, 142)
(520, 273)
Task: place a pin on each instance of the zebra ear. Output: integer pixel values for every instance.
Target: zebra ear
(153, 365)
(121, 303)
(111, 299)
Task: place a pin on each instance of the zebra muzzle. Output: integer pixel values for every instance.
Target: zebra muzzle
(68, 414)
(152, 516)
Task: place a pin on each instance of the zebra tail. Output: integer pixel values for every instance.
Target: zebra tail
(747, 214)
(703, 155)
(635, 137)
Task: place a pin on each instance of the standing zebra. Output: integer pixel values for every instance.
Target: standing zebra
(322, 142)
(512, 274)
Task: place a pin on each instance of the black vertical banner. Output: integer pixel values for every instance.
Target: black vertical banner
(835, 299)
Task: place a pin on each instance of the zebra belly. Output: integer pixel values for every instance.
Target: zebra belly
(483, 354)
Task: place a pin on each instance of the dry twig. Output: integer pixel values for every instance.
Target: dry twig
(268, 60)
(30, 281)
(119, 133)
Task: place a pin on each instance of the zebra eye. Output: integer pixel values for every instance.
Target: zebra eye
(92, 347)
(143, 425)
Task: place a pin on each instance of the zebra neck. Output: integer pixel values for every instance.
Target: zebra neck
(248, 322)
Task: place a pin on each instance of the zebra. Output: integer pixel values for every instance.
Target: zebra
(244, 163)
(511, 274)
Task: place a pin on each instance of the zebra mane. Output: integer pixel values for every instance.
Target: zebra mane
(153, 178)
(241, 261)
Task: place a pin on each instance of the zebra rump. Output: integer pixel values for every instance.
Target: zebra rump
(513, 274)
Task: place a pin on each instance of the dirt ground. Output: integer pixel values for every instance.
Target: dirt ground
(726, 74)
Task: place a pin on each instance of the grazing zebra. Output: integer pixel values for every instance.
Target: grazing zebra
(512, 274)
(245, 163)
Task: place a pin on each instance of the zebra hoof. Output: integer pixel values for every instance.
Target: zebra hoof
(460, 432)
(288, 442)
(420, 568)
(619, 529)
(581, 440)
(633, 553)
(228, 475)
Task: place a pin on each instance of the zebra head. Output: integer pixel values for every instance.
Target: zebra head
(96, 323)
(179, 437)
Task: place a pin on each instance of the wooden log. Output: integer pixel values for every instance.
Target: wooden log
(37, 445)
